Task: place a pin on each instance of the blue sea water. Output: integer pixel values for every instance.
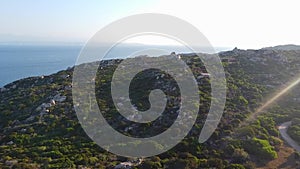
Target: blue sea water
(21, 61)
(17, 62)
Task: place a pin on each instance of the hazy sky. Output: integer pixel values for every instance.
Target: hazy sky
(230, 23)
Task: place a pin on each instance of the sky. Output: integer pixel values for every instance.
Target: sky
(230, 23)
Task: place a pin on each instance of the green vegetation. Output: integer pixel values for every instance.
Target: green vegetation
(39, 127)
(294, 130)
(260, 148)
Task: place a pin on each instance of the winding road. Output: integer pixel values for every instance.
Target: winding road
(283, 132)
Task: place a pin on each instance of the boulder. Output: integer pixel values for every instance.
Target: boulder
(3, 89)
(59, 98)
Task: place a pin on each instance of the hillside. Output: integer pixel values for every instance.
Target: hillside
(284, 47)
(39, 127)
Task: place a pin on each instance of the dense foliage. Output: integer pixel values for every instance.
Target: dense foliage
(39, 128)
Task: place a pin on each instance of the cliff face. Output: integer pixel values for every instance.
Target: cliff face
(39, 127)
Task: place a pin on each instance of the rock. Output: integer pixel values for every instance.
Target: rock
(205, 74)
(52, 102)
(200, 77)
(131, 117)
(44, 112)
(46, 105)
(77, 105)
(3, 89)
(65, 76)
(11, 162)
(127, 129)
(10, 143)
(14, 86)
(29, 119)
(39, 108)
(23, 130)
(69, 87)
(59, 98)
(130, 164)
(120, 104)
(124, 165)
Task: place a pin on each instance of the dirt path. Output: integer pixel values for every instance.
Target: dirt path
(283, 132)
(286, 158)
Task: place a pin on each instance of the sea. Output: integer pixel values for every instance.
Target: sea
(21, 61)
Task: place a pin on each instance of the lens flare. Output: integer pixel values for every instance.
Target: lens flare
(274, 98)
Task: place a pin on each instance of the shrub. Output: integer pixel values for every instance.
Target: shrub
(235, 166)
(261, 148)
(240, 156)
